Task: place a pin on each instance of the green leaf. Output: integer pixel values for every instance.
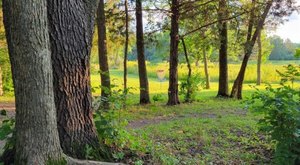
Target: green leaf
(3, 112)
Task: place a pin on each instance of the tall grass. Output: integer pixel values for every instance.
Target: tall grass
(268, 71)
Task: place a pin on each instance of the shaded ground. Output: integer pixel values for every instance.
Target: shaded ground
(7, 106)
(161, 119)
(10, 111)
(192, 134)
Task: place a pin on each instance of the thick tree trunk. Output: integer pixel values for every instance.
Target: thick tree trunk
(207, 77)
(173, 98)
(29, 49)
(238, 83)
(71, 30)
(189, 90)
(126, 45)
(258, 80)
(144, 85)
(103, 61)
(237, 88)
(223, 64)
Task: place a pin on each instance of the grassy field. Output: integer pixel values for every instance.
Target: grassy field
(269, 75)
(209, 131)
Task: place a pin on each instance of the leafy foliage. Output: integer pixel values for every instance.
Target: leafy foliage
(112, 130)
(157, 97)
(283, 49)
(7, 129)
(190, 88)
(281, 110)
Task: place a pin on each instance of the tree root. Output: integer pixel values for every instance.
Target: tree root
(72, 161)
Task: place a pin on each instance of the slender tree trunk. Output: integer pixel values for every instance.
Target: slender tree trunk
(27, 36)
(1, 83)
(126, 44)
(103, 61)
(144, 85)
(197, 62)
(236, 91)
(207, 77)
(223, 64)
(258, 80)
(173, 98)
(71, 30)
(189, 89)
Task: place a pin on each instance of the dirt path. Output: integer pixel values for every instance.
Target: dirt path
(161, 119)
(10, 110)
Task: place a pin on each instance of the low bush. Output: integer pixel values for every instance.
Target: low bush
(281, 115)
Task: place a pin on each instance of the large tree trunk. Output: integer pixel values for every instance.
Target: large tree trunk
(103, 61)
(223, 65)
(237, 88)
(207, 77)
(29, 49)
(71, 30)
(126, 45)
(258, 80)
(173, 98)
(144, 85)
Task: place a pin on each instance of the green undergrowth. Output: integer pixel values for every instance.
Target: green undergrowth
(217, 131)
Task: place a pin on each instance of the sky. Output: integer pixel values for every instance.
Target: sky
(290, 29)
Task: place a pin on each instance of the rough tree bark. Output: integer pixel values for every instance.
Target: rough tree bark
(173, 98)
(144, 85)
(223, 64)
(71, 26)
(259, 56)
(126, 45)
(103, 61)
(27, 36)
(238, 83)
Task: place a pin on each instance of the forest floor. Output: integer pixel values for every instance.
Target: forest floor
(210, 130)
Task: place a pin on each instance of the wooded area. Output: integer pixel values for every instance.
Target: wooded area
(148, 82)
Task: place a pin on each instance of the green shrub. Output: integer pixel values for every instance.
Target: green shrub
(281, 116)
(189, 88)
(112, 132)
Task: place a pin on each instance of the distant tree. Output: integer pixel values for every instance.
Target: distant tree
(264, 49)
(259, 58)
(7, 84)
(103, 60)
(27, 34)
(283, 49)
(144, 85)
(297, 54)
